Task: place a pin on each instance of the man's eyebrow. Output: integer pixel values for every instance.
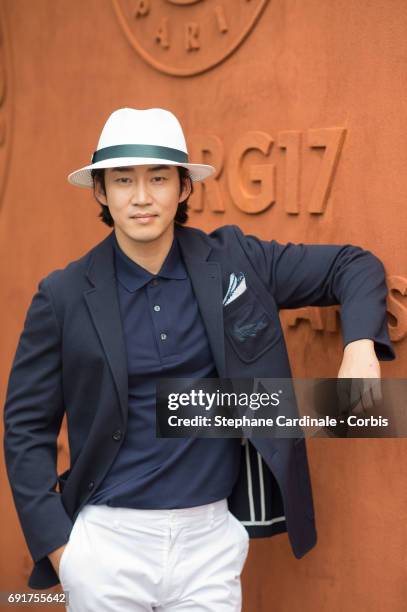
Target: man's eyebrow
(154, 168)
(130, 168)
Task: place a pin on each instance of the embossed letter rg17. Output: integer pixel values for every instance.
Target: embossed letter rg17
(287, 157)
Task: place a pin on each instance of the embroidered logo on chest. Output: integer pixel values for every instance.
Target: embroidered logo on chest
(249, 330)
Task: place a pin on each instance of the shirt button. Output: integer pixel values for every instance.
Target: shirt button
(91, 485)
(163, 336)
(154, 282)
(117, 435)
(157, 308)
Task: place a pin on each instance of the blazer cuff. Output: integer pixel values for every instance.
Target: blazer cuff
(382, 346)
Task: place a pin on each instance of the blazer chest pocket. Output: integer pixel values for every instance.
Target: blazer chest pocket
(249, 327)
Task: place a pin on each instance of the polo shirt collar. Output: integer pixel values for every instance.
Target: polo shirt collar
(133, 276)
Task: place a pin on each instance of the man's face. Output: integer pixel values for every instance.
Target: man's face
(142, 200)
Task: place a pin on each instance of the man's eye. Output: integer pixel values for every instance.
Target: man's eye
(122, 179)
(160, 178)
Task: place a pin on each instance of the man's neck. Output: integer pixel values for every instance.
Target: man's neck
(149, 255)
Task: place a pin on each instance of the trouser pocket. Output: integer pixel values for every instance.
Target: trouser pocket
(65, 559)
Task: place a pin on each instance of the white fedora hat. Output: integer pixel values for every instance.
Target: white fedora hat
(132, 137)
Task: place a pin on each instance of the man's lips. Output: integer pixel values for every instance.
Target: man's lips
(145, 219)
(146, 216)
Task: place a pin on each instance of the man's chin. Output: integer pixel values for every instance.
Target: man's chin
(145, 234)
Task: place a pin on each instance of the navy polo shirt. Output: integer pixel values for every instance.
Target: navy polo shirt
(165, 337)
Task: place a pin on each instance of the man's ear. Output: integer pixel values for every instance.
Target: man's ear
(98, 191)
(186, 190)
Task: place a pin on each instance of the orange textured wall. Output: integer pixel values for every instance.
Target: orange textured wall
(302, 107)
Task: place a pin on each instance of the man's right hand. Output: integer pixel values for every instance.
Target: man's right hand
(55, 557)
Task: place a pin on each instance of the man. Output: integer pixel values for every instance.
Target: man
(140, 522)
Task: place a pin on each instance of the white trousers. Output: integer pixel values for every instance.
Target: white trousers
(124, 559)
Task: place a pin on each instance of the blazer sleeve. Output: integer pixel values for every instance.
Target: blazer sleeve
(324, 275)
(33, 413)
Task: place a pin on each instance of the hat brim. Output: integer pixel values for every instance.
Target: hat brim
(83, 176)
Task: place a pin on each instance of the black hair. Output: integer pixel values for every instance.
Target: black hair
(181, 215)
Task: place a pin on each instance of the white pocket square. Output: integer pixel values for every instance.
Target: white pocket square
(237, 285)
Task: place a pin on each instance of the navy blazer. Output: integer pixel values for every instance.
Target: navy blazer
(71, 359)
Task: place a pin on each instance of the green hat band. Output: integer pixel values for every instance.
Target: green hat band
(140, 150)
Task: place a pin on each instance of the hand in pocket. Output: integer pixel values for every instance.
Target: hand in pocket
(55, 557)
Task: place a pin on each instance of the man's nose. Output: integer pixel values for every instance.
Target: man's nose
(141, 193)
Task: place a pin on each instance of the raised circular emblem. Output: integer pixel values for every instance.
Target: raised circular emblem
(187, 37)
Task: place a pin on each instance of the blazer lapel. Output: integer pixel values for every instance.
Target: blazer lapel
(206, 280)
(104, 308)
